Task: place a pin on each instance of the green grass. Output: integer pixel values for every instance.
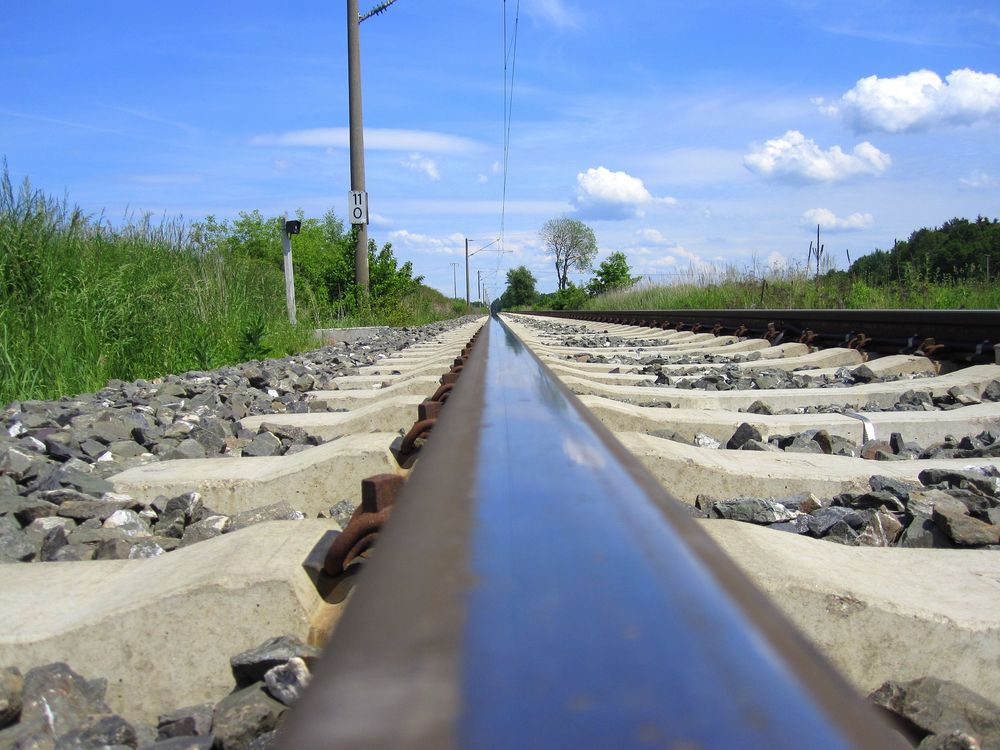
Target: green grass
(82, 302)
(792, 289)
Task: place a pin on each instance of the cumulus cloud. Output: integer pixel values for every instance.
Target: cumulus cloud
(829, 221)
(919, 101)
(452, 244)
(603, 194)
(376, 139)
(795, 158)
(655, 236)
(979, 180)
(420, 163)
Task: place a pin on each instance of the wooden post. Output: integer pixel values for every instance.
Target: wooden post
(286, 243)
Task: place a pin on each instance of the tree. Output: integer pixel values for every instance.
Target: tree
(572, 243)
(520, 288)
(613, 273)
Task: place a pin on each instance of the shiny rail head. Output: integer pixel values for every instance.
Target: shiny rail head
(537, 588)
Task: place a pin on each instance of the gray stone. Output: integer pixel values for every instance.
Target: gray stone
(280, 511)
(53, 542)
(26, 510)
(264, 444)
(956, 740)
(190, 720)
(841, 533)
(901, 489)
(130, 523)
(56, 694)
(112, 549)
(286, 682)
(759, 407)
(251, 666)
(940, 706)
(244, 715)
(189, 504)
(99, 731)
(803, 444)
(266, 741)
(961, 478)
(759, 445)
(18, 547)
(822, 520)
(27, 735)
(145, 548)
(74, 553)
(185, 449)
(207, 528)
(744, 432)
(872, 500)
(751, 510)
(126, 449)
(11, 690)
(186, 743)
(80, 510)
(706, 441)
(882, 530)
(16, 462)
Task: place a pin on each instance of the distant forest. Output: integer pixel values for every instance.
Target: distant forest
(959, 249)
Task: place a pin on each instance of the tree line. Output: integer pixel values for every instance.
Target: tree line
(959, 249)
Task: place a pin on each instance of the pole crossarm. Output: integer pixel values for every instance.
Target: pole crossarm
(377, 10)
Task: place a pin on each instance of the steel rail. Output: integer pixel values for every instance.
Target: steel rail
(963, 334)
(536, 587)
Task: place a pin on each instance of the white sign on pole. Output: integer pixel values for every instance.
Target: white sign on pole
(357, 206)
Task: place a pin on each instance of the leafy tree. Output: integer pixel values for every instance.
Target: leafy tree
(613, 273)
(959, 249)
(572, 243)
(572, 297)
(520, 288)
(323, 255)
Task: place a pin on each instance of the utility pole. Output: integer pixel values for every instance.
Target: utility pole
(479, 285)
(288, 228)
(358, 201)
(454, 279)
(468, 301)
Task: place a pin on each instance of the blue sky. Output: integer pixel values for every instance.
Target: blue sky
(688, 135)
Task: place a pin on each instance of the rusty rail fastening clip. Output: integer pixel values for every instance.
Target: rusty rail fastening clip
(378, 494)
(807, 337)
(929, 347)
(859, 341)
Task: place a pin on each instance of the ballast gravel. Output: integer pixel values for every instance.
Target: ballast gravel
(56, 503)
(51, 706)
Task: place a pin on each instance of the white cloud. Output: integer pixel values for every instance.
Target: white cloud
(554, 12)
(378, 220)
(776, 261)
(654, 236)
(795, 158)
(420, 163)
(482, 179)
(376, 139)
(978, 180)
(919, 101)
(452, 244)
(603, 194)
(829, 221)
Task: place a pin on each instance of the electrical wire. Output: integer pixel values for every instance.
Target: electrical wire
(509, 55)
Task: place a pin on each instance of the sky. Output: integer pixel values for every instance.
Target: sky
(692, 136)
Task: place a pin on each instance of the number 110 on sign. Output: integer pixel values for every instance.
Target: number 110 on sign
(357, 206)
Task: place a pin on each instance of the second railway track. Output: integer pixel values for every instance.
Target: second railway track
(451, 634)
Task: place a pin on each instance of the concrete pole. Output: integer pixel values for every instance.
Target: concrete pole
(286, 243)
(357, 136)
(468, 302)
(454, 279)
(479, 285)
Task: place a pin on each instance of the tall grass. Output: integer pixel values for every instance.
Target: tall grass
(82, 302)
(792, 288)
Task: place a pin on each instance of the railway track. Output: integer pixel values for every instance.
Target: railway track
(540, 560)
